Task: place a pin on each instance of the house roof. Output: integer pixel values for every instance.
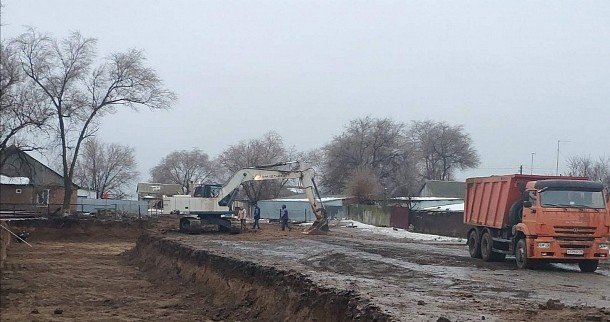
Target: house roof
(447, 189)
(304, 196)
(289, 200)
(18, 163)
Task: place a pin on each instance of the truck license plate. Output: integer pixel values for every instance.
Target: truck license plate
(575, 252)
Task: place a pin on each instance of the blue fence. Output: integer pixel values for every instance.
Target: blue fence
(125, 206)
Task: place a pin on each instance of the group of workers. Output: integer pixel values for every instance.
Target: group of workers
(257, 216)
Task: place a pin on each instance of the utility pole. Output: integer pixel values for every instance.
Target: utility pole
(532, 165)
(557, 167)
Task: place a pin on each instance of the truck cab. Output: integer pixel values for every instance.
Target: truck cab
(564, 220)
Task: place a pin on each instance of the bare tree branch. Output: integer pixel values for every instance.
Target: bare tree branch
(63, 72)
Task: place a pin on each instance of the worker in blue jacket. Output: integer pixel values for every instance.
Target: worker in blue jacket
(284, 218)
(257, 216)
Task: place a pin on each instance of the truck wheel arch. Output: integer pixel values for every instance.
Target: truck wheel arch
(521, 228)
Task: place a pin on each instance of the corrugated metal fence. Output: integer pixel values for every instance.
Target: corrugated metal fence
(445, 223)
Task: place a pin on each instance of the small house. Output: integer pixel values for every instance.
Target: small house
(28, 184)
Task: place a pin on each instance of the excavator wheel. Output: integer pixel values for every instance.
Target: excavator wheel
(185, 225)
(190, 225)
(227, 226)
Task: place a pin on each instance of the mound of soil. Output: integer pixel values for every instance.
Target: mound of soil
(249, 291)
(67, 229)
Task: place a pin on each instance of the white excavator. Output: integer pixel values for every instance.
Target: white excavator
(212, 204)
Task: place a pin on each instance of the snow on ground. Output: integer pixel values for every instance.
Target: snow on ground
(397, 232)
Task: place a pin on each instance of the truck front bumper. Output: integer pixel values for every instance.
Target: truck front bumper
(561, 250)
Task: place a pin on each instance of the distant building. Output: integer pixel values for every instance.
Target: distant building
(28, 184)
(86, 194)
(443, 189)
(154, 192)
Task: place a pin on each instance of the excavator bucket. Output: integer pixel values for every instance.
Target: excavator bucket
(319, 227)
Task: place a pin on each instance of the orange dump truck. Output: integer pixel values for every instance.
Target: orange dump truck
(538, 219)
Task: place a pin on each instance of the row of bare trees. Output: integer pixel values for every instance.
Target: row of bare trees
(594, 169)
(187, 167)
(371, 159)
(55, 93)
(379, 157)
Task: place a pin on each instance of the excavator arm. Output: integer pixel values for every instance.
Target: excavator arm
(303, 173)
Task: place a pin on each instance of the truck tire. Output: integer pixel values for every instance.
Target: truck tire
(474, 244)
(486, 247)
(588, 266)
(523, 261)
(487, 252)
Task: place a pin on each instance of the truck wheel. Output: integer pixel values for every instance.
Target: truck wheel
(521, 255)
(487, 244)
(588, 266)
(474, 245)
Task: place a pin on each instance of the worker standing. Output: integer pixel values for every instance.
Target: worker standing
(284, 218)
(257, 216)
(241, 215)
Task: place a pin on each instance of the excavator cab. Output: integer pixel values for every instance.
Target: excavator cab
(207, 191)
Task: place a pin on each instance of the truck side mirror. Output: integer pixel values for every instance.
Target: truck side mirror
(527, 204)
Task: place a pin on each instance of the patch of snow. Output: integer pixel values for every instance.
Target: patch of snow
(426, 198)
(323, 199)
(398, 233)
(458, 207)
(18, 181)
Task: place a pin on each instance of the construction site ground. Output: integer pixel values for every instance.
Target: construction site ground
(118, 273)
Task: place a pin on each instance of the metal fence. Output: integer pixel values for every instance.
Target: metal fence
(85, 207)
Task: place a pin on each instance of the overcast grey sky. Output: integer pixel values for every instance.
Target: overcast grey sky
(518, 75)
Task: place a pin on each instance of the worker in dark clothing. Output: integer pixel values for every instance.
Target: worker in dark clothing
(284, 218)
(257, 216)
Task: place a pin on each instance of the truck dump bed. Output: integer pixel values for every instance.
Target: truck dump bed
(488, 199)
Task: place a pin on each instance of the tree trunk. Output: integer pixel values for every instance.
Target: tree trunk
(67, 196)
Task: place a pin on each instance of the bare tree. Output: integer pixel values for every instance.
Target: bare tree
(379, 145)
(364, 185)
(268, 149)
(22, 110)
(109, 168)
(81, 93)
(443, 149)
(585, 166)
(183, 168)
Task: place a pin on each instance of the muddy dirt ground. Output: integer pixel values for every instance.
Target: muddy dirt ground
(86, 275)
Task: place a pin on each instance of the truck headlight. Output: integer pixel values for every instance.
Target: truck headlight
(603, 246)
(545, 245)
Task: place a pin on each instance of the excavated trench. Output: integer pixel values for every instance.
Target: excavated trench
(246, 290)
